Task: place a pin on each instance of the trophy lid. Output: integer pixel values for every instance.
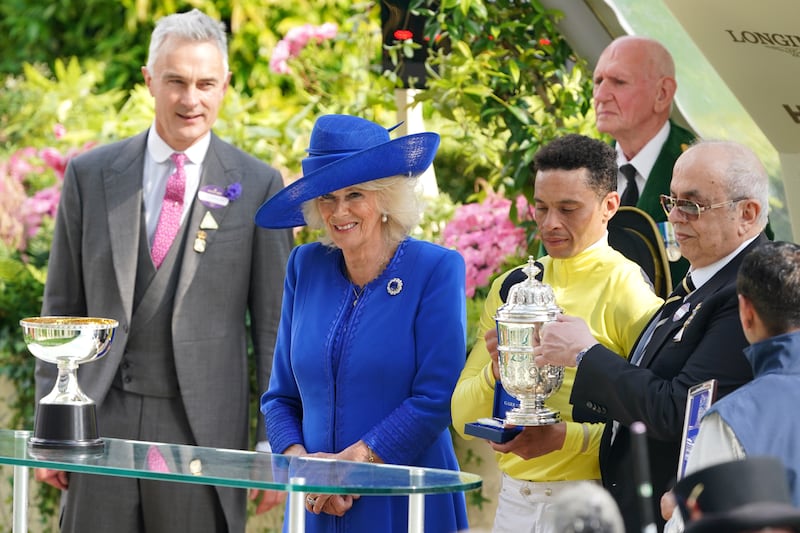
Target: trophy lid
(529, 300)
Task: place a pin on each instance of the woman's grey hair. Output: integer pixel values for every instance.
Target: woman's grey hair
(194, 26)
(396, 197)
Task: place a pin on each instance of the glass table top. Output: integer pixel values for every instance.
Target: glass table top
(235, 468)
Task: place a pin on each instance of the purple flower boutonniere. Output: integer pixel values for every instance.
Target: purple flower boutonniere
(233, 191)
(215, 197)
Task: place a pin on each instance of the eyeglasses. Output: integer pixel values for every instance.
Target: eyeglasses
(689, 209)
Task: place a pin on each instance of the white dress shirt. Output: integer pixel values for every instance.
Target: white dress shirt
(157, 168)
(644, 161)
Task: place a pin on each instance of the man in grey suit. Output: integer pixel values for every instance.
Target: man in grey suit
(177, 370)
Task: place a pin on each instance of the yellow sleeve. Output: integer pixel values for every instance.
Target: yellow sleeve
(473, 396)
(583, 438)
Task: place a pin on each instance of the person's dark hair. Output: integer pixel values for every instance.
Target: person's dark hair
(575, 151)
(770, 278)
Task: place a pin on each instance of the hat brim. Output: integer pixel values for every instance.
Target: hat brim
(409, 156)
(751, 516)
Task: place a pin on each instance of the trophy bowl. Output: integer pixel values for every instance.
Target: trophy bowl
(529, 306)
(66, 418)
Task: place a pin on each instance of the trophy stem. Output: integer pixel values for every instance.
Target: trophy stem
(66, 389)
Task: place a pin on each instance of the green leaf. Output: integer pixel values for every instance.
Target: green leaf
(514, 70)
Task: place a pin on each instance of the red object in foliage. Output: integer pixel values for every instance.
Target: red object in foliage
(403, 35)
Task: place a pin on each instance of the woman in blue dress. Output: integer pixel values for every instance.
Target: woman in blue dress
(373, 325)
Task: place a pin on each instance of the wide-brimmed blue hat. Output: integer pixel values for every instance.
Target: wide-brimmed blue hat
(344, 151)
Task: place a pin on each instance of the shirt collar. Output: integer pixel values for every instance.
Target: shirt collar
(645, 160)
(160, 151)
(703, 274)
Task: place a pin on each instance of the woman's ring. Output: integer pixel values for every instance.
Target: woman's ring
(311, 501)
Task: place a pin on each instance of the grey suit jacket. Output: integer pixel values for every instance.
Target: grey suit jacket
(92, 272)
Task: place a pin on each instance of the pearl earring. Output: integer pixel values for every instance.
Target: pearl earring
(384, 218)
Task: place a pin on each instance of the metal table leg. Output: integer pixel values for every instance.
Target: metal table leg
(20, 517)
(416, 504)
(20, 499)
(297, 509)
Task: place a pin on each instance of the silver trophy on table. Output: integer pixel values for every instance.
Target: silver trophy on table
(530, 305)
(66, 418)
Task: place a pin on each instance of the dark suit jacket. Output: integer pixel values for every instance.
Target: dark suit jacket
(710, 346)
(92, 272)
(658, 181)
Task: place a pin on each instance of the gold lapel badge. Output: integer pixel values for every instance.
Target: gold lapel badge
(200, 242)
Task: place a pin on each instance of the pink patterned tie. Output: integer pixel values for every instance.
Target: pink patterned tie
(156, 461)
(171, 207)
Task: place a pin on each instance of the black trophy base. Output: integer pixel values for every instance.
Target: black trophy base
(63, 427)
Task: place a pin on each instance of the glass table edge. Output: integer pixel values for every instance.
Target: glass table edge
(466, 482)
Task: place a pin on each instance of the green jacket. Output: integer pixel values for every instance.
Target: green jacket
(660, 176)
(658, 181)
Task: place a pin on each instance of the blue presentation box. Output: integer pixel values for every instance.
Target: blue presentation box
(494, 429)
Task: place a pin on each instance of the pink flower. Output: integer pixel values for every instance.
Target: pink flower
(34, 209)
(296, 39)
(277, 63)
(54, 160)
(12, 196)
(20, 163)
(28, 193)
(486, 237)
(329, 30)
(59, 131)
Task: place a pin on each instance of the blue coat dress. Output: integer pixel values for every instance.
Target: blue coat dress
(381, 371)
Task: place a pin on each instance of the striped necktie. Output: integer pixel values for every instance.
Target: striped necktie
(670, 307)
(675, 299)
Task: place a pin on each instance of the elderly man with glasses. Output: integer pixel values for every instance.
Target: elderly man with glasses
(718, 205)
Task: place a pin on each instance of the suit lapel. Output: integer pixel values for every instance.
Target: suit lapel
(721, 279)
(123, 194)
(670, 327)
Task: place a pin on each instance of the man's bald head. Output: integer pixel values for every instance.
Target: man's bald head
(634, 84)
